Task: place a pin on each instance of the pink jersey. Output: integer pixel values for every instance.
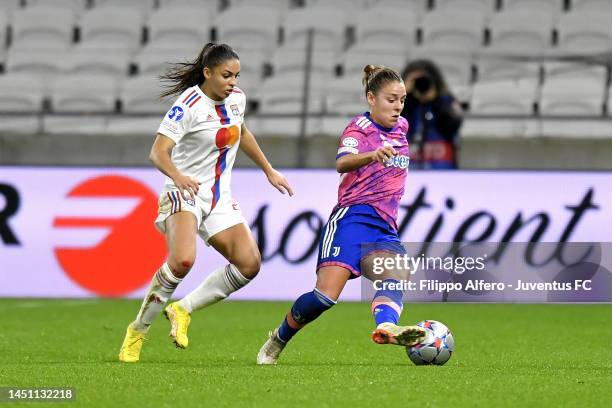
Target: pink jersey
(380, 186)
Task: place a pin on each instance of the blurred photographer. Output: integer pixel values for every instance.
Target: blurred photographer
(434, 117)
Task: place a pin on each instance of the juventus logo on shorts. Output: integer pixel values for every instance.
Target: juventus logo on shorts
(336, 251)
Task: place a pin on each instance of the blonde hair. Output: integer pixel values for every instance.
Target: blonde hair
(376, 76)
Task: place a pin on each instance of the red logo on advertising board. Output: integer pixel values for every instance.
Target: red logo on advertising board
(125, 259)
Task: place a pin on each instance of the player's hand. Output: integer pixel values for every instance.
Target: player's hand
(187, 186)
(279, 181)
(383, 154)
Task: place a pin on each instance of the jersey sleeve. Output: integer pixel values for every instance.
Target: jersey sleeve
(352, 141)
(177, 121)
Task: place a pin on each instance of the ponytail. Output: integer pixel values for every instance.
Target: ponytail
(187, 74)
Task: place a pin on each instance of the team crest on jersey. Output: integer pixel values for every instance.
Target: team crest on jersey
(176, 113)
(235, 109)
(210, 117)
(350, 142)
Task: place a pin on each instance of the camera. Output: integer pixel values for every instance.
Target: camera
(422, 84)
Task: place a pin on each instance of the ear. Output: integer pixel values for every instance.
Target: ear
(371, 98)
(207, 73)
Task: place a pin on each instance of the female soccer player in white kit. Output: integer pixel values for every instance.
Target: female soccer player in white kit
(195, 148)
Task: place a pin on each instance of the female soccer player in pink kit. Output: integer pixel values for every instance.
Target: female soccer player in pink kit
(195, 148)
(373, 160)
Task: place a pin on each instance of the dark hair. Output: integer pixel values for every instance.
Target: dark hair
(431, 70)
(376, 76)
(187, 74)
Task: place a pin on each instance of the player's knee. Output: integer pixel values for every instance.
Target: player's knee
(181, 265)
(249, 268)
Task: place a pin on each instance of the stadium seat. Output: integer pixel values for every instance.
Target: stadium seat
(455, 31)
(592, 5)
(499, 128)
(572, 128)
(114, 64)
(553, 7)
(283, 93)
(74, 124)
(145, 7)
(504, 97)
(285, 127)
(585, 32)
(575, 70)
(358, 56)
(580, 96)
(38, 62)
(280, 5)
(397, 33)
(3, 31)
(288, 59)
(346, 96)
(609, 101)
(84, 93)
(9, 6)
(520, 32)
(348, 6)
(111, 28)
(157, 61)
(140, 94)
(415, 6)
(21, 92)
(179, 27)
(504, 68)
(120, 125)
(251, 71)
(43, 27)
(211, 6)
(249, 28)
(328, 24)
(77, 7)
(485, 7)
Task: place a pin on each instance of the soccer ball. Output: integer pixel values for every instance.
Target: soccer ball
(437, 347)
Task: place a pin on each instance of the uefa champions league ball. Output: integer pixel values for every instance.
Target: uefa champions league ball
(437, 347)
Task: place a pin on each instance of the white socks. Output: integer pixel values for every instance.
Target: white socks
(217, 286)
(162, 286)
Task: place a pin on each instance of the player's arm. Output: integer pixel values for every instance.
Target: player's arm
(351, 161)
(251, 148)
(161, 157)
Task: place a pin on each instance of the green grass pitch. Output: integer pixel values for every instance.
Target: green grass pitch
(506, 355)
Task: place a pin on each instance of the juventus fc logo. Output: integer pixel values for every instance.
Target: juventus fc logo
(336, 251)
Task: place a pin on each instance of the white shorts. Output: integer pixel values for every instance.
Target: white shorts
(226, 213)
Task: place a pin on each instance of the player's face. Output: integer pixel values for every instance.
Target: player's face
(387, 104)
(221, 80)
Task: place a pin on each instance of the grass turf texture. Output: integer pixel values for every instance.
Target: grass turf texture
(506, 355)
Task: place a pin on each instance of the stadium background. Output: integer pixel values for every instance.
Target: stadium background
(78, 111)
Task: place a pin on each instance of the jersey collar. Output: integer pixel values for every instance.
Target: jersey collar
(207, 99)
(384, 129)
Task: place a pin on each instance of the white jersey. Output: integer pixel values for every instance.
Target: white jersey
(207, 135)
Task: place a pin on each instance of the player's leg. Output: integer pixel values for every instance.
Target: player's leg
(238, 246)
(226, 231)
(307, 308)
(180, 237)
(387, 304)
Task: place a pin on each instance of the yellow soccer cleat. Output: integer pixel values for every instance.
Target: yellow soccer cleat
(389, 333)
(132, 344)
(179, 322)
